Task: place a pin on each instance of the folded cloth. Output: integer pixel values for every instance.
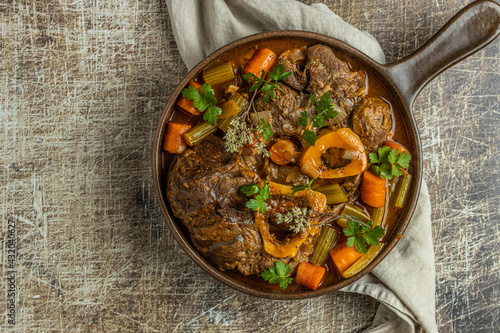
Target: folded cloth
(404, 282)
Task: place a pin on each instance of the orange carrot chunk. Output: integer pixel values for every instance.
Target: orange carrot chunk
(174, 139)
(309, 275)
(373, 189)
(395, 145)
(186, 104)
(263, 59)
(344, 257)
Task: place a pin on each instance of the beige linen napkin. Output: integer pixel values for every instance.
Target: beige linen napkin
(404, 282)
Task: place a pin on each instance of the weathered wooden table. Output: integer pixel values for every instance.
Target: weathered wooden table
(82, 84)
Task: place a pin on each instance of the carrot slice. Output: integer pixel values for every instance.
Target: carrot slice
(373, 189)
(174, 139)
(395, 145)
(309, 275)
(263, 59)
(186, 104)
(344, 257)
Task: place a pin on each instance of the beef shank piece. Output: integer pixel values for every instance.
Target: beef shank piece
(328, 74)
(285, 110)
(203, 191)
(291, 60)
(372, 121)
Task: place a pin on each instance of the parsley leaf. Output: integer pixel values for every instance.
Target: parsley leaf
(299, 188)
(267, 132)
(404, 160)
(212, 114)
(310, 137)
(279, 74)
(268, 86)
(258, 203)
(325, 107)
(204, 100)
(278, 274)
(318, 121)
(304, 118)
(359, 244)
(324, 112)
(396, 170)
(208, 94)
(393, 156)
(373, 235)
(257, 81)
(388, 163)
(312, 98)
(250, 189)
(385, 171)
(361, 235)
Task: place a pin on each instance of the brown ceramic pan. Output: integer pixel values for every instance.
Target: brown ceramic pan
(467, 32)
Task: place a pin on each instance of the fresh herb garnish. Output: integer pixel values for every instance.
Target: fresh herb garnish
(250, 189)
(258, 135)
(296, 218)
(324, 112)
(268, 86)
(238, 135)
(360, 235)
(278, 274)
(299, 188)
(262, 131)
(259, 202)
(388, 163)
(204, 100)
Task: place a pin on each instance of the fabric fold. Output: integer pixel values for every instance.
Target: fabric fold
(404, 282)
(216, 23)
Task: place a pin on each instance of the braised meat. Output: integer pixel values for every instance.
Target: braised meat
(285, 110)
(372, 120)
(329, 74)
(325, 69)
(291, 60)
(203, 192)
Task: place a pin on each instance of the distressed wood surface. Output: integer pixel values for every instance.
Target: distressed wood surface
(82, 84)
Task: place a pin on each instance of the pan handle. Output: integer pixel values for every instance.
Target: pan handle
(467, 32)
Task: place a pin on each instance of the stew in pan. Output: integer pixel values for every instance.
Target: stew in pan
(287, 164)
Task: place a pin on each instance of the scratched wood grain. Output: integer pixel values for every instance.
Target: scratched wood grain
(82, 84)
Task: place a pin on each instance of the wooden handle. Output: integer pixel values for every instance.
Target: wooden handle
(467, 32)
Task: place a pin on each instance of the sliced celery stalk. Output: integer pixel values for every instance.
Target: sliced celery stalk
(362, 262)
(378, 216)
(352, 211)
(219, 74)
(199, 133)
(266, 115)
(323, 245)
(391, 193)
(242, 102)
(402, 192)
(334, 194)
(228, 108)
